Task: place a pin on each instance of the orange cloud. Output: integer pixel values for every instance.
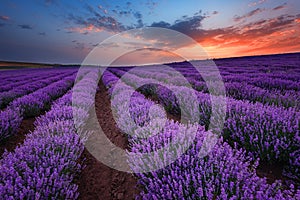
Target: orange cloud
(88, 28)
(5, 18)
(277, 35)
(256, 3)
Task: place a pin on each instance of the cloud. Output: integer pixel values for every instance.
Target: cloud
(151, 4)
(122, 13)
(256, 3)
(280, 7)
(84, 30)
(102, 9)
(256, 29)
(128, 4)
(139, 18)
(240, 37)
(247, 15)
(190, 25)
(51, 2)
(272, 35)
(236, 39)
(185, 24)
(42, 33)
(4, 18)
(81, 46)
(161, 24)
(25, 26)
(96, 22)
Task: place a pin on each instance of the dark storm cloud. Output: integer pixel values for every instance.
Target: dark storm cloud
(25, 26)
(247, 15)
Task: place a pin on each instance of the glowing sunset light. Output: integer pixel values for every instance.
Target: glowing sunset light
(64, 32)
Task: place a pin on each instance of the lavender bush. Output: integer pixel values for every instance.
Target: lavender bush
(10, 120)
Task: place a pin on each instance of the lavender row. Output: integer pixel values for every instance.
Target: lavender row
(16, 75)
(239, 91)
(244, 91)
(33, 76)
(268, 80)
(266, 131)
(31, 105)
(223, 174)
(268, 83)
(15, 92)
(248, 72)
(265, 82)
(44, 167)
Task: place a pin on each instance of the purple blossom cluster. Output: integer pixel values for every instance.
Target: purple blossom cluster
(10, 121)
(42, 167)
(293, 170)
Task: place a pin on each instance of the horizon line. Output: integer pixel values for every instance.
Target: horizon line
(124, 65)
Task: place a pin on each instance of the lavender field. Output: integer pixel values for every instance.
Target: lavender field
(256, 154)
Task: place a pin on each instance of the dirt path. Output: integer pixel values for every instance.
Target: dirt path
(97, 181)
(11, 142)
(272, 172)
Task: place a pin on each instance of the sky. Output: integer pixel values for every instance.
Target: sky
(60, 31)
